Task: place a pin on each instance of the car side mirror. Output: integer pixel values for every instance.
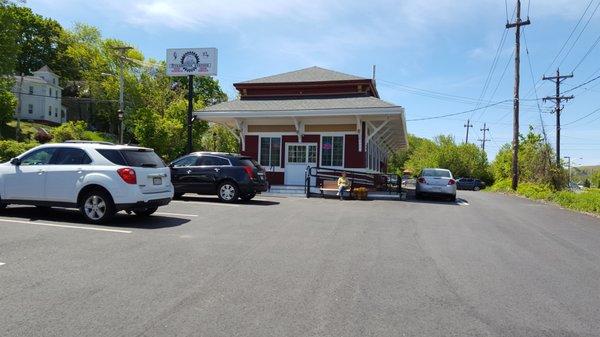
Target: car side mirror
(171, 165)
(15, 161)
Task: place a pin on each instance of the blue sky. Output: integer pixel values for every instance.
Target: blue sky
(444, 46)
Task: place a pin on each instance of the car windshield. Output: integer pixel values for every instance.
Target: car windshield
(436, 173)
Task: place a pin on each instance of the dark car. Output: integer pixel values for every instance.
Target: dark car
(469, 184)
(229, 176)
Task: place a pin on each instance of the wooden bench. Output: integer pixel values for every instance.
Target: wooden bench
(331, 186)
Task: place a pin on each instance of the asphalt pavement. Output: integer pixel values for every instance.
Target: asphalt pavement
(488, 265)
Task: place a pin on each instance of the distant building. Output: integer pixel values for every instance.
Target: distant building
(41, 97)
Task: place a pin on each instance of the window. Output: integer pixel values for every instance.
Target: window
(31, 90)
(142, 158)
(49, 111)
(296, 154)
(212, 161)
(332, 153)
(114, 156)
(53, 80)
(38, 157)
(70, 156)
(30, 108)
(185, 161)
(312, 153)
(270, 151)
(50, 92)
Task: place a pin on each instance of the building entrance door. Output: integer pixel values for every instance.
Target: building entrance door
(297, 157)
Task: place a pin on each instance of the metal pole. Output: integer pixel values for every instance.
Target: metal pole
(190, 111)
(121, 100)
(18, 129)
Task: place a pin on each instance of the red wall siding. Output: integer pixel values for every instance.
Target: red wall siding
(251, 147)
(352, 157)
(286, 139)
(275, 178)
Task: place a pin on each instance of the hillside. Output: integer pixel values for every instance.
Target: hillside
(28, 130)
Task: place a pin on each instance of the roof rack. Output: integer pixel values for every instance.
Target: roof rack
(87, 142)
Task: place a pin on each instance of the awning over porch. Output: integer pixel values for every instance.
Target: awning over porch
(385, 123)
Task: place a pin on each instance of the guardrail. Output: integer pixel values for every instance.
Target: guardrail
(391, 183)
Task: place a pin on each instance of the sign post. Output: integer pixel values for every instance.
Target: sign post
(189, 62)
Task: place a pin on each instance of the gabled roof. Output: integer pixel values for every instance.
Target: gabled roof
(312, 74)
(46, 69)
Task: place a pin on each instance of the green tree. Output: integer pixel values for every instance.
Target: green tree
(9, 50)
(587, 183)
(69, 131)
(595, 178)
(535, 162)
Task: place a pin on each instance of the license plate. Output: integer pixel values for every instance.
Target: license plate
(157, 181)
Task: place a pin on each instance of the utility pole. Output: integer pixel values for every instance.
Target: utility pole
(515, 158)
(485, 128)
(122, 50)
(557, 98)
(468, 126)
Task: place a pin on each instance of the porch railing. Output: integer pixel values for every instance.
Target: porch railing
(390, 183)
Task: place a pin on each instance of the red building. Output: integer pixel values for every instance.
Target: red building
(315, 117)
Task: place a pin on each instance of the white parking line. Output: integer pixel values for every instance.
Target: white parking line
(195, 202)
(462, 203)
(2, 263)
(66, 226)
(176, 214)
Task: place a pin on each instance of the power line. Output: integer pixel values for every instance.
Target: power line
(582, 84)
(579, 36)
(534, 88)
(584, 117)
(456, 113)
(588, 53)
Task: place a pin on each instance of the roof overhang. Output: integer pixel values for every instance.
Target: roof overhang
(387, 125)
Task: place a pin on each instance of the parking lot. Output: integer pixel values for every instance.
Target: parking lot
(486, 265)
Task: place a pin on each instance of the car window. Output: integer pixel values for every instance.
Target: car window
(436, 173)
(212, 161)
(248, 162)
(185, 161)
(38, 157)
(114, 156)
(70, 156)
(142, 158)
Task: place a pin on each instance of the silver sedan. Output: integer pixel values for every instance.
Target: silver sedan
(436, 181)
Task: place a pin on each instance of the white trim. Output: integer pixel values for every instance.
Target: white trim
(333, 134)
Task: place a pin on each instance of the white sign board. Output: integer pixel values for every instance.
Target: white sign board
(192, 61)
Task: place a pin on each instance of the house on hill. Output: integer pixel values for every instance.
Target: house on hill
(315, 117)
(40, 97)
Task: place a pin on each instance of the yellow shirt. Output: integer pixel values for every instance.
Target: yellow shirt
(343, 182)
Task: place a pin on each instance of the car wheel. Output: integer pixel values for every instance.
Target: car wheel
(145, 211)
(3, 205)
(178, 195)
(97, 206)
(248, 197)
(453, 198)
(228, 192)
(418, 196)
(476, 188)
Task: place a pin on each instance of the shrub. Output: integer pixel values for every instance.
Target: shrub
(41, 136)
(70, 131)
(11, 148)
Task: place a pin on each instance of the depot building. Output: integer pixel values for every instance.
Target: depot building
(312, 117)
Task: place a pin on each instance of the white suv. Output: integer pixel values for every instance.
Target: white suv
(98, 178)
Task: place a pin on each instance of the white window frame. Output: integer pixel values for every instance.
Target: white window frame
(320, 151)
(270, 152)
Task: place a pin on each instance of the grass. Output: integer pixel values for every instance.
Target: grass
(28, 130)
(585, 201)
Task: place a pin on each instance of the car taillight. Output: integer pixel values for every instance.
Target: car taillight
(451, 182)
(250, 171)
(128, 175)
(422, 180)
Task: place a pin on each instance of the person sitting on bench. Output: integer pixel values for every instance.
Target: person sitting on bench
(343, 185)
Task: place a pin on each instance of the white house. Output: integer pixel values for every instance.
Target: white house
(40, 97)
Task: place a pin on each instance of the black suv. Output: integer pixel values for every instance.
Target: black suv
(229, 176)
(469, 184)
